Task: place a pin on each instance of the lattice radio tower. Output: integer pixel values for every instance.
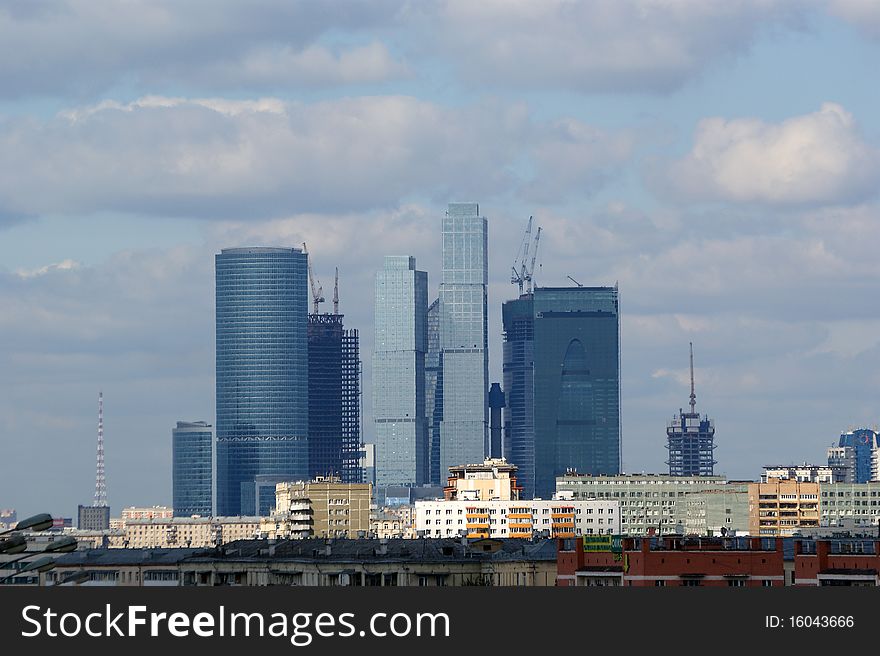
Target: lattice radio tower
(100, 481)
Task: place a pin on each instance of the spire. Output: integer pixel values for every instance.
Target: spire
(693, 394)
(100, 482)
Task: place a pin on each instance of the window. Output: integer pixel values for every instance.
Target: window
(659, 583)
(736, 583)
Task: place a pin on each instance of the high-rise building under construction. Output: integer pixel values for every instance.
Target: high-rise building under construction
(691, 440)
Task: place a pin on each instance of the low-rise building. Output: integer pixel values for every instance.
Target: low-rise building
(672, 561)
(837, 562)
(517, 518)
(392, 522)
(188, 532)
(325, 507)
(804, 473)
(649, 503)
(318, 562)
(781, 507)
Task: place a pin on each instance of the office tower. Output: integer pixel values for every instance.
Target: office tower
(334, 399)
(562, 381)
(519, 384)
(400, 344)
(463, 337)
(863, 441)
(496, 403)
(434, 394)
(192, 462)
(262, 370)
(690, 440)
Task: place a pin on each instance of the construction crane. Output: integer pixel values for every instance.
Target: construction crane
(336, 292)
(574, 281)
(521, 272)
(317, 289)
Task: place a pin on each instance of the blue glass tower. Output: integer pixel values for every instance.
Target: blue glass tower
(519, 386)
(863, 442)
(262, 371)
(464, 429)
(192, 457)
(399, 347)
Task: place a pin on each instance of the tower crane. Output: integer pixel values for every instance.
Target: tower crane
(317, 289)
(336, 292)
(522, 271)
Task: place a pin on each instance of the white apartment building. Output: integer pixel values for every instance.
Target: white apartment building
(188, 532)
(803, 473)
(563, 517)
(648, 502)
(849, 504)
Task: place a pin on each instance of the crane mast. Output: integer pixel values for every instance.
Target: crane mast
(317, 289)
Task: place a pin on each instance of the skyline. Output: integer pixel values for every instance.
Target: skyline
(719, 163)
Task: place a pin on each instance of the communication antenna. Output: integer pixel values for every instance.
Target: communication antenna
(100, 481)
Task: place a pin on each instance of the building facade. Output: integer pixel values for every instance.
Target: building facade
(864, 442)
(262, 369)
(192, 469)
(781, 507)
(517, 519)
(187, 532)
(434, 393)
(400, 345)
(325, 507)
(715, 512)
(690, 440)
(804, 473)
(855, 505)
(494, 479)
(649, 503)
(464, 428)
(334, 399)
(93, 518)
(519, 384)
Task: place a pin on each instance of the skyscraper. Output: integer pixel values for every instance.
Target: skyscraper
(192, 461)
(334, 399)
(562, 381)
(463, 337)
(434, 394)
(400, 344)
(262, 370)
(863, 441)
(690, 439)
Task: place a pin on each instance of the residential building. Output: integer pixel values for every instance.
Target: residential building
(93, 518)
(672, 561)
(318, 562)
(147, 512)
(850, 505)
(393, 522)
(649, 503)
(842, 461)
(864, 442)
(262, 370)
(400, 344)
(837, 562)
(804, 473)
(491, 480)
(324, 507)
(720, 511)
(192, 469)
(523, 519)
(188, 532)
(464, 428)
(780, 507)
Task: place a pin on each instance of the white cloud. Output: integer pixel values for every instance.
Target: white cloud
(600, 45)
(222, 158)
(814, 159)
(863, 14)
(64, 265)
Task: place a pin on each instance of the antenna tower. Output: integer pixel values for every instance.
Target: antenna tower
(100, 481)
(693, 394)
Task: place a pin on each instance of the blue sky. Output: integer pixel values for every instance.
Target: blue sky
(721, 161)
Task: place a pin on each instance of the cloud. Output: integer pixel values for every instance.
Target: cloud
(814, 159)
(863, 14)
(652, 46)
(263, 158)
(80, 48)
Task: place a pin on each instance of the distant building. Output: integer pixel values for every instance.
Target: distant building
(649, 503)
(434, 393)
(393, 522)
(93, 518)
(491, 480)
(188, 532)
(803, 473)
(855, 505)
(864, 442)
(780, 507)
(562, 382)
(368, 463)
(690, 439)
(262, 370)
(842, 461)
(517, 518)
(717, 512)
(400, 344)
(464, 428)
(496, 425)
(158, 512)
(324, 507)
(192, 469)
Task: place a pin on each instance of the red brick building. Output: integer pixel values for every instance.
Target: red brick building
(673, 561)
(837, 562)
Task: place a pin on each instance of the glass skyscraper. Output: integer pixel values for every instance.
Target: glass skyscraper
(863, 442)
(400, 345)
(463, 337)
(262, 371)
(192, 458)
(434, 394)
(562, 382)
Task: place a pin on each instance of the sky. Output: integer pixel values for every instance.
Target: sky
(720, 162)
